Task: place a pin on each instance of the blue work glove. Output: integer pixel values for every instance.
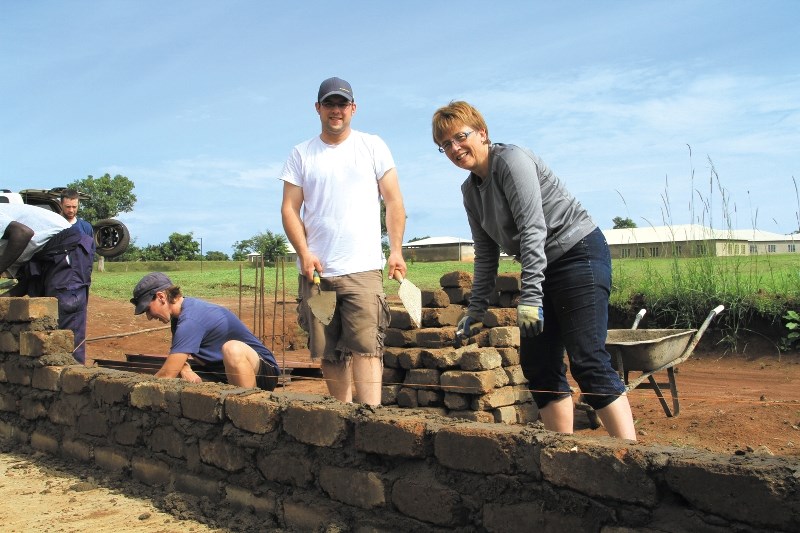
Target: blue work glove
(530, 320)
(466, 328)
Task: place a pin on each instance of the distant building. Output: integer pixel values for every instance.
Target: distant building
(439, 249)
(692, 240)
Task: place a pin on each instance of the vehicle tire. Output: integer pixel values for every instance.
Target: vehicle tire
(111, 237)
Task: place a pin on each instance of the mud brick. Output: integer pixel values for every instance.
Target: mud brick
(317, 515)
(168, 440)
(494, 299)
(77, 379)
(506, 337)
(111, 389)
(390, 355)
(482, 450)
(11, 432)
(47, 377)
(456, 401)
(392, 376)
(458, 295)
(526, 412)
(284, 467)
(151, 471)
(447, 316)
(426, 499)
(219, 453)
(430, 398)
(411, 358)
(509, 282)
(197, 485)
(16, 373)
(523, 394)
(508, 299)
(407, 397)
(31, 409)
(156, 394)
(437, 298)
(242, 498)
(456, 279)
(399, 317)
(77, 449)
(510, 356)
(44, 442)
(472, 416)
(498, 316)
(389, 394)
(8, 402)
(464, 382)
(479, 359)
(65, 409)
(496, 517)
(353, 487)
(436, 337)
(400, 338)
(399, 437)
(494, 399)
(3, 377)
(95, 423)
(440, 358)
(515, 375)
(9, 343)
(205, 401)
(29, 309)
(500, 377)
(39, 343)
(257, 413)
(425, 378)
(127, 433)
(111, 459)
(4, 304)
(505, 415)
(318, 425)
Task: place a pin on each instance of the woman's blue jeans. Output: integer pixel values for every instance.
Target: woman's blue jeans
(576, 290)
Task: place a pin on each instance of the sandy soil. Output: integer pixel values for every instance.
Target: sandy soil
(729, 403)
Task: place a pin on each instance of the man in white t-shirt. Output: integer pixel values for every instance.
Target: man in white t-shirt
(337, 179)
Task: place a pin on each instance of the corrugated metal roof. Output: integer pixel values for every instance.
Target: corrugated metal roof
(433, 241)
(690, 232)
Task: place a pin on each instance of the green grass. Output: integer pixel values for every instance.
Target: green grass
(676, 292)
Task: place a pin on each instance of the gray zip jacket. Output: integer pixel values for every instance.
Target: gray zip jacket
(523, 208)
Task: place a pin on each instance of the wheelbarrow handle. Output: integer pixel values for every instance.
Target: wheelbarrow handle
(696, 338)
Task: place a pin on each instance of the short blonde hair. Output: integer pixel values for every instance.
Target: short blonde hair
(455, 113)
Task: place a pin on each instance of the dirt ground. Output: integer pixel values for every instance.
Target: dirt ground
(730, 403)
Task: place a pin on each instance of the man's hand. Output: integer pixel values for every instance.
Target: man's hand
(530, 320)
(189, 375)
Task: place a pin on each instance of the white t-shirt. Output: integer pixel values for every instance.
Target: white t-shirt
(341, 201)
(43, 222)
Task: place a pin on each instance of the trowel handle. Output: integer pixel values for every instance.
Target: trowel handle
(397, 275)
(316, 278)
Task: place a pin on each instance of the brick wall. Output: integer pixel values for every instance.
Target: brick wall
(304, 462)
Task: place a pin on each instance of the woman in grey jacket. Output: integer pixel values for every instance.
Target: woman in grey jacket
(514, 202)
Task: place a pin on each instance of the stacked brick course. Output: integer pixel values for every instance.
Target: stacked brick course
(482, 381)
(300, 462)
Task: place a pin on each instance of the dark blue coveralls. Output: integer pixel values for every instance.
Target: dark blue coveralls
(63, 269)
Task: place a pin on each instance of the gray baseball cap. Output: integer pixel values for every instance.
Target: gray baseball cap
(147, 288)
(333, 86)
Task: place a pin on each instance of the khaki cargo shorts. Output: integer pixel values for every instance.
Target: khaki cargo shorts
(359, 323)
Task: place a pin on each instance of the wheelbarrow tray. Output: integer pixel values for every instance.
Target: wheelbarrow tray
(647, 350)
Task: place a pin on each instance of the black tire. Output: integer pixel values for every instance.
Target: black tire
(111, 237)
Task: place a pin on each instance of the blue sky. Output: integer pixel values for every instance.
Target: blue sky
(200, 102)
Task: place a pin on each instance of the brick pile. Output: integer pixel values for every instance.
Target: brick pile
(482, 381)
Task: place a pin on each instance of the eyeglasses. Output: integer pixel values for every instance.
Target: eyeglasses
(458, 139)
(336, 105)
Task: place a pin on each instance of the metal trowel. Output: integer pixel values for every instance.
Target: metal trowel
(323, 303)
(411, 297)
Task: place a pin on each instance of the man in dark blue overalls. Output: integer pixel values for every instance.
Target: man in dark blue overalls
(49, 257)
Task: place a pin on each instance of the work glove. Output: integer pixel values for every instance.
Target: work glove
(530, 320)
(466, 328)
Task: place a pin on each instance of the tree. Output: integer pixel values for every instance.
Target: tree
(216, 256)
(622, 223)
(270, 245)
(180, 247)
(109, 196)
(415, 239)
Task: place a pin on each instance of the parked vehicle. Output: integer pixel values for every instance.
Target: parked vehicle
(111, 237)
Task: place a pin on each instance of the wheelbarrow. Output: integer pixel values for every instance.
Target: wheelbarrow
(650, 351)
